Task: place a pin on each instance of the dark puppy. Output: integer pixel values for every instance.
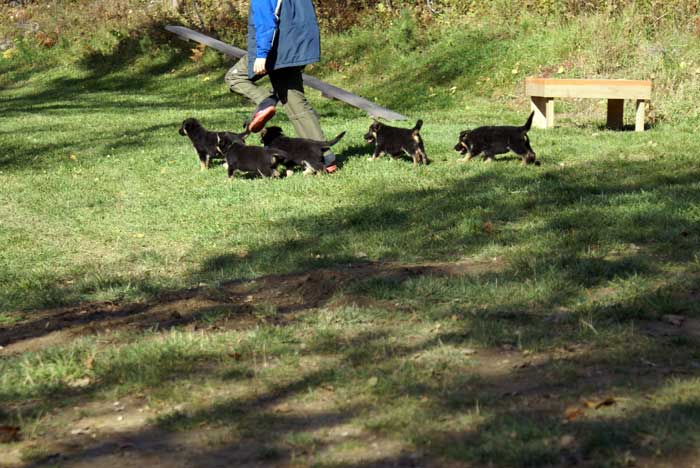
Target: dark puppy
(396, 141)
(497, 140)
(300, 151)
(250, 159)
(203, 140)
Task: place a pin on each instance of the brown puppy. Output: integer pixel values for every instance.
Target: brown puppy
(397, 141)
(495, 140)
(203, 140)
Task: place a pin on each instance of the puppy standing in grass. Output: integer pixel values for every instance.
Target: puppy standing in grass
(203, 140)
(283, 37)
(300, 151)
(249, 159)
(493, 140)
(397, 141)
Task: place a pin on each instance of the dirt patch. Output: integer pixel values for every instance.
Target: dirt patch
(236, 302)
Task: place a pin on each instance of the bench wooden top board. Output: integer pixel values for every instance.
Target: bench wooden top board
(595, 89)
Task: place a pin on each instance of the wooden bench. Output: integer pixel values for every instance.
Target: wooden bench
(542, 92)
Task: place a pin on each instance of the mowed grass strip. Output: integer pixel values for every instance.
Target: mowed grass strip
(102, 200)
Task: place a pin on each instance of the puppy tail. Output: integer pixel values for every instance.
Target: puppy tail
(526, 128)
(335, 140)
(418, 126)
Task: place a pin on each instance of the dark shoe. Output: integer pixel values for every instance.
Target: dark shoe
(261, 115)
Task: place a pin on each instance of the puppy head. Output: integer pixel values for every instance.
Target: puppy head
(226, 140)
(462, 145)
(374, 129)
(530, 158)
(188, 125)
(270, 134)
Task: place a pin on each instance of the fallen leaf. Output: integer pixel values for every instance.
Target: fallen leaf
(372, 382)
(566, 441)
(676, 320)
(487, 227)
(80, 431)
(573, 412)
(90, 362)
(595, 404)
(560, 71)
(283, 408)
(9, 434)
(80, 383)
(236, 356)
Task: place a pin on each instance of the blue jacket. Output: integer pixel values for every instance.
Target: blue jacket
(283, 31)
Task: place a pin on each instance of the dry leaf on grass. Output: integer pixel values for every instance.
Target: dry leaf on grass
(9, 434)
(80, 383)
(593, 404)
(572, 413)
(676, 320)
(566, 441)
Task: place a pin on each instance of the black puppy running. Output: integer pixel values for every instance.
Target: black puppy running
(497, 140)
(300, 151)
(203, 140)
(396, 141)
(250, 159)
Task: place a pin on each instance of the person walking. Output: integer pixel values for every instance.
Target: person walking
(283, 37)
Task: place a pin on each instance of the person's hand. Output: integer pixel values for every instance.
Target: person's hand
(259, 66)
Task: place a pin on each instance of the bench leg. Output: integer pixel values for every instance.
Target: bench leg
(616, 108)
(641, 116)
(544, 111)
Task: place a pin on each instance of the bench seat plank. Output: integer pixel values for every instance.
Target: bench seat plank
(594, 89)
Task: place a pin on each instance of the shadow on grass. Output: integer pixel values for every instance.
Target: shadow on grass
(515, 410)
(554, 218)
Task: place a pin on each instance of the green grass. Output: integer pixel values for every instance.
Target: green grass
(556, 272)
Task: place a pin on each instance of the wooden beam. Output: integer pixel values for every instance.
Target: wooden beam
(327, 90)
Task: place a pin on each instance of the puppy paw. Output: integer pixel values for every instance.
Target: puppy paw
(290, 172)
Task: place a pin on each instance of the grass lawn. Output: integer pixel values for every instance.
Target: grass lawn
(457, 314)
